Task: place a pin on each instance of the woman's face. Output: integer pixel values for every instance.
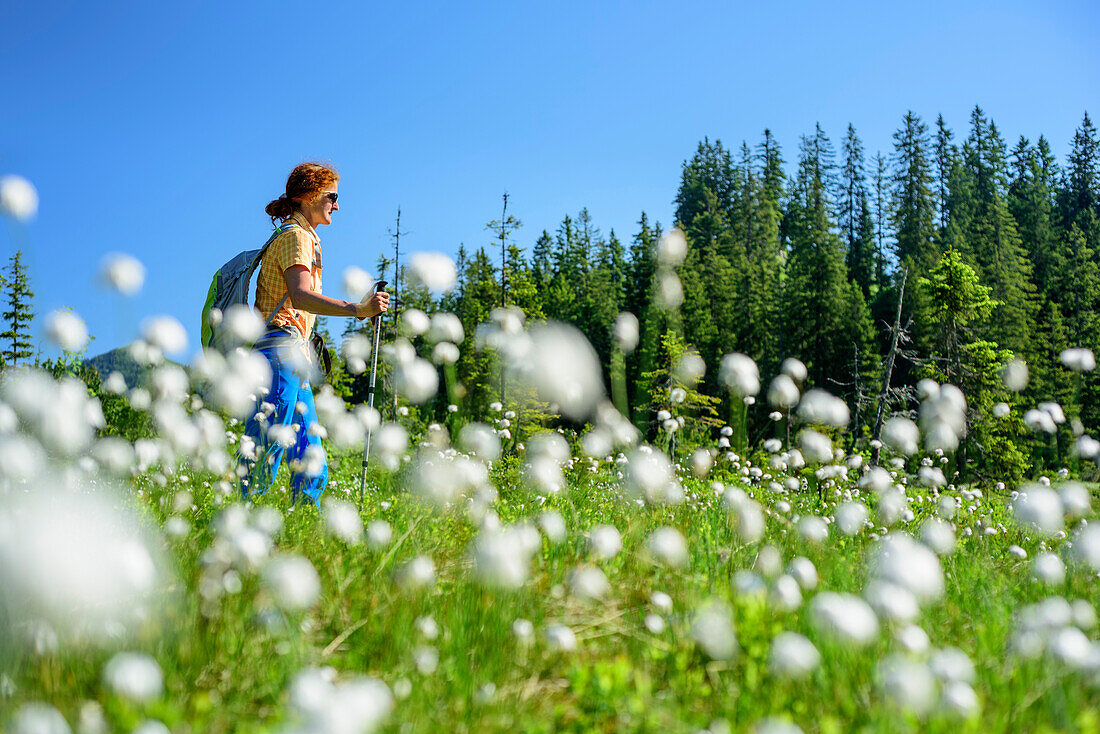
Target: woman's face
(319, 211)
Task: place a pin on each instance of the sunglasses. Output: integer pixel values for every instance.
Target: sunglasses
(332, 196)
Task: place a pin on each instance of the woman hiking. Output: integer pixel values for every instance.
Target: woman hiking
(288, 294)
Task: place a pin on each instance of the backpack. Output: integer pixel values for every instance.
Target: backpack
(230, 286)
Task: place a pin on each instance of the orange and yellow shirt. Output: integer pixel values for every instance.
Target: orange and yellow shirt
(296, 246)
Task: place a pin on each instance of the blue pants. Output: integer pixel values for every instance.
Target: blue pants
(292, 399)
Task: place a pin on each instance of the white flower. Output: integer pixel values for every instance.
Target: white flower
(121, 272)
(902, 561)
(1086, 546)
(795, 369)
(322, 704)
(1078, 359)
(803, 571)
(76, 559)
(418, 573)
(560, 638)
(820, 407)
(501, 556)
(1015, 375)
(416, 380)
(343, 521)
(135, 676)
(938, 535)
(357, 283)
(816, 447)
(446, 327)
(589, 583)
(851, 517)
(672, 248)
(379, 534)
(293, 582)
(813, 529)
(909, 685)
(901, 435)
(38, 718)
(605, 542)
(67, 330)
(433, 270)
(712, 629)
(165, 333)
(553, 526)
(739, 373)
(1040, 508)
(783, 392)
(793, 656)
(562, 366)
(667, 546)
(844, 616)
(18, 198)
(626, 332)
(414, 322)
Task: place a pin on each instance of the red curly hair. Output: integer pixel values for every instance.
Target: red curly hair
(305, 183)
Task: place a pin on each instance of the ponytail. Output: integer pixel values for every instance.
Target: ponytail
(306, 182)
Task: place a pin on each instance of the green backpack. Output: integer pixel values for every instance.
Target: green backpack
(230, 286)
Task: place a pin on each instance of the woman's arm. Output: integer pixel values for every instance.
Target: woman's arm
(298, 286)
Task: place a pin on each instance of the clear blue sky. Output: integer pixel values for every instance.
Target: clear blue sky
(162, 129)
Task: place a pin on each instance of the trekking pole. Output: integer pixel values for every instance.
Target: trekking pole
(378, 288)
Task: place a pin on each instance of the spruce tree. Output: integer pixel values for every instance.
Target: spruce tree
(913, 205)
(854, 216)
(19, 314)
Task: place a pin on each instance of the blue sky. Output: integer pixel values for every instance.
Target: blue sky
(162, 129)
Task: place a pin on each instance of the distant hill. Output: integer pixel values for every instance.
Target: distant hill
(118, 360)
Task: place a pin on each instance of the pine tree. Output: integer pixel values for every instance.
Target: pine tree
(19, 314)
(945, 154)
(825, 314)
(855, 216)
(1081, 192)
(913, 206)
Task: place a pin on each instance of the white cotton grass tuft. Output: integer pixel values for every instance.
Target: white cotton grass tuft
(292, 582)
(342, 520)
(379, 534)
(793, 656)
(418, 573)
(433, 270)
(901, 435)
(626, 332)
(242, 324)
(844, 617)
(783, 393)
(605, 542)
(416, 380)
(1039, 508)
(134, 676)
(357, 283)
(122, 273)
(1078, 359)
(553, 526)
(822, 408)
(649, 474)
(165, 333)
(67, 330)
(1015, 375)
(560, 638)
(414, 322)
(817, 448)
(666, 546)
(445, 327)
(502, 555)
(480, 440)
(672, 248)
(560, 364)
(18, 198)
(908, 685)
(851, 517)
(803, 571)
(739, 373)
(773, 725)
(77, 559)
(900, 560)
(1048, 569)
(1076, 499)
(1086, 547)
(813, 529)
(588, 583)
(938, 535)
(891, 602)
(320, 703)
(713, 631)
(36, 717)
